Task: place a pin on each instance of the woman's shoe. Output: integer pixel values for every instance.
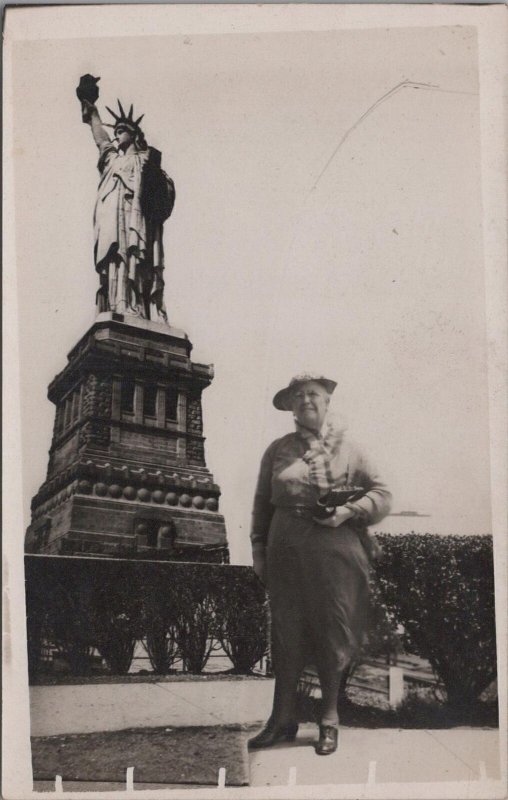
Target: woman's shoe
(271, 734)
(328, 740)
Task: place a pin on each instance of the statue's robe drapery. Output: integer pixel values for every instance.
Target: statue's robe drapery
(129, 254)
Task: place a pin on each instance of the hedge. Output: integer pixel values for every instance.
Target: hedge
(180, 611)
(439, 588)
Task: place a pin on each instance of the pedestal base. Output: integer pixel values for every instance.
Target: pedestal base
(127, 473)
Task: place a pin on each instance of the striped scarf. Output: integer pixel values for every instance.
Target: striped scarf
(321, 447)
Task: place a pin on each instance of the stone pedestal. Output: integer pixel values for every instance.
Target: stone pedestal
(127, 472)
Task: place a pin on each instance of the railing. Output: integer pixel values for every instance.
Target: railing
(390, 681)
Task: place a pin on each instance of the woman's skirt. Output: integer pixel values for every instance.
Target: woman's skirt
(318, 584)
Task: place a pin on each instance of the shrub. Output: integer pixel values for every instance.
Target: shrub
(242, 619)
(441, 589)
(178, 609)
(60, 617)
(161, 645)
(159, 603)
(115, 612)
(195, 621)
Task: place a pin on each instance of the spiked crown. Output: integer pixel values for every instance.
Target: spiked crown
(129, 121)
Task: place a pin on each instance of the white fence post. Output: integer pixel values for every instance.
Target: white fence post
(395, 686)
(129, 779)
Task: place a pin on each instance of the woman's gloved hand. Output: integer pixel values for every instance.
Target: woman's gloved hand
(340, 515)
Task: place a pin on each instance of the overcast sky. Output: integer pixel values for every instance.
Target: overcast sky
(307, 234)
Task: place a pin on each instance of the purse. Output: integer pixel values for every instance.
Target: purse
(338, 497)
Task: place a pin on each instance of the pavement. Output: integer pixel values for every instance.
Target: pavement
(383, 755)
(173, 701)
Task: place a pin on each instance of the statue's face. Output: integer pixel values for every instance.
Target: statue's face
(124, 136)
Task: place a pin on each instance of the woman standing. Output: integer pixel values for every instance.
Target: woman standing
(316, 569)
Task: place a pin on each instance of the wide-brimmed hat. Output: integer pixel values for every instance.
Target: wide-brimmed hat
(283, 399)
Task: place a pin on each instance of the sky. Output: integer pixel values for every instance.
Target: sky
(327, 218)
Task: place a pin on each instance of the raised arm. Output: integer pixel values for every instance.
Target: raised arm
(99, 132)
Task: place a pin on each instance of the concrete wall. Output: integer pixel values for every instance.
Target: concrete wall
(84, 708)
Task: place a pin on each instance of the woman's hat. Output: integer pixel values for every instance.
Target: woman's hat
(282, 399)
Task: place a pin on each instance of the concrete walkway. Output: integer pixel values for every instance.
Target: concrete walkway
(383, 755)
(371, 757)
(110, 706)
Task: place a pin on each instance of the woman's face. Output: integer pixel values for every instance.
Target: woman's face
(309, 404)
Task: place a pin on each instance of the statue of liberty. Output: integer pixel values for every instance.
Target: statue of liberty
(134, 198)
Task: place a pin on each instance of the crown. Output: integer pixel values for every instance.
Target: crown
(122, 119)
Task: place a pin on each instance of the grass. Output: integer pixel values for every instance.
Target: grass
(159, 755)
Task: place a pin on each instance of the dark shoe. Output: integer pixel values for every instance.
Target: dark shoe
(328, 740)
(271, 734)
